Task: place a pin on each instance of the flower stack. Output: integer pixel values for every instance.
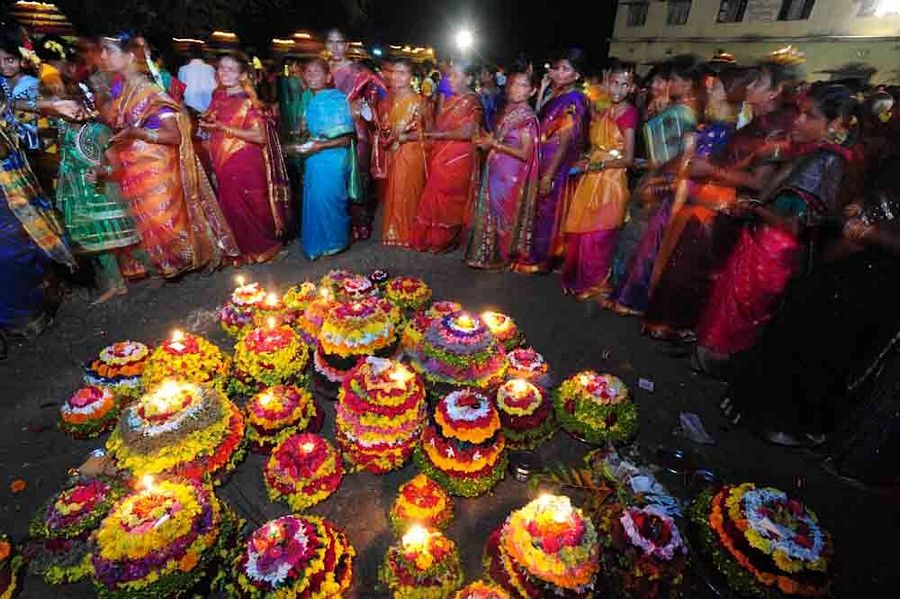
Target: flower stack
(302, 471)
(160, 541)
(408, 293)
(459, 349)
(414, 331)
(546, 549)
(310, 321)
(424, 564)
(596, 408)
(10, 564)
(179, 428)
(421, 501)
(187, 357)
(279, 412)
(464, 450)
(333, 279)
(763, 541)
(526, 363)
(236, 316)
(272, 307)
(292, 556)
(119, 368)
(269, 356)
(297, 299)
(90, 412)
(481, 590)
(526, 414)
(643, 553)
(504, 329)
(355, 288)
(380, 415)
(59, 530)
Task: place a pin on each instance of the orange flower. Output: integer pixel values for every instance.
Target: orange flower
(5, 550)
(188, 562)
(18, 485)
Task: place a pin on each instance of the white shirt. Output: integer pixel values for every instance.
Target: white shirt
(199, 79)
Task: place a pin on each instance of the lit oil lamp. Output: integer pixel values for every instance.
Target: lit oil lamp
(416, 539)
(308, 447)
(176, 344)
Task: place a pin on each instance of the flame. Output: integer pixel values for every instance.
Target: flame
(177, 336)
(240, 280)
(147, 482)
(270, 322)
(416, 538)
(272, 299)
(308, 447)
(400, 374)
(518, 386)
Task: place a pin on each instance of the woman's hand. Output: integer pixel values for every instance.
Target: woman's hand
(212, 125)
(67, 109)
(857, 230)
(483, 141)
(126, 134)
(546, 185)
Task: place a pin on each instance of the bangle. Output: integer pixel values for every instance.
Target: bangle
(152, 135)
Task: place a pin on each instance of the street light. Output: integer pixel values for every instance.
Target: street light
(464, 40)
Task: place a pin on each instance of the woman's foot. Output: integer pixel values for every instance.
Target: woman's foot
(109, 294)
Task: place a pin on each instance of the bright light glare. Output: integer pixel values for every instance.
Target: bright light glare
(464, 39)
(887, 7)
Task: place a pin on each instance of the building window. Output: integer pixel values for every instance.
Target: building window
(637, 14)
(678, 12)
(795, 10)
(732, 11)
(878, 8)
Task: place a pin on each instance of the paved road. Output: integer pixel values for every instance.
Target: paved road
(39, 375)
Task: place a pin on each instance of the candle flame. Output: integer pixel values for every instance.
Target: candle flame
(271, 322)
(400, 374)
(325, 293)
(265, 399)
(518, 386)
(415, 538)
(492, 319)
(307, 447)
(584, 379)
(240, 280)
(177, 336)
(147, 482)
(271, 299)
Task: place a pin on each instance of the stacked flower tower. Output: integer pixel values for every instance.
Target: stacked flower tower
(424, 564)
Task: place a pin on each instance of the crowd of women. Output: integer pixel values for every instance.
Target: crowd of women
(729, 206)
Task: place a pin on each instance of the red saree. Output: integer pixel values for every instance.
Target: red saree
(451, 177)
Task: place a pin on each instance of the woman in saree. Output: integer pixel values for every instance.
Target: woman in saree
(772, 249)
(596, 212)
(564, 118)
(152, 157)
(325, 228)
(451, 168)
(502, 217)
(251, 177)
(400, 140)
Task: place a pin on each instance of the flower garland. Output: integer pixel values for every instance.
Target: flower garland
(467, 416)
(408, 293)
(482, 590)
(422, 501)
(10, 564)
(643, 551)
(303, 470)
(504, 329)
(596, 408)
(414, 331)
(358, 328)
(527, 364)
(119, 368)
(279, 412)
(189, 358)
(235, 320)
(426, 567)
(296, 299)
(90, 412)
(266, 357)
(292, 556)
(526, 414)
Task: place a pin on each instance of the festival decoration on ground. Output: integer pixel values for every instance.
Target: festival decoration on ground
(379, 277)
(526, 414)
(292, 556)
(464, 450)
(310, 321)
(380, 415)
(526, 363)
(179, 428)
(763, 541)
(418, 323)
(596, 408)
(119, 368)
(160, 540)
(272, 307)
(423, 565)
(421, 501)
(58, 547)
(279, 412)
(408, 293)
(333, 279)
(355, 288)
(269, 356)
(642, 552)
(297, 299)
(504, 329)
(546, 549)
(458, 349)
(189, 358)
(10, 564)
(236, 316)
(90, 412)
(481, 590)
(302, 471)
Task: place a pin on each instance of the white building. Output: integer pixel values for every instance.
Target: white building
(831, 33)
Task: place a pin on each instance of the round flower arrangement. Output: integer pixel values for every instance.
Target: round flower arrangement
(297, 299)
(465, 450)
(763, 541)
(292, 556)
(60, 528)
(414, 331)
(119, 368)
(504, 329)
(302, 471)
(408, 293)
(423, 565)
(596, 408)
(482, 590)
(279, 412)
(526, 414)
(459, 349)
(310, 321)
(643, 553)
(269, 356)
(160, 541)
(380, 414)
(332, 280)
(187, 357)
(422, 501)
(271, 308)
(526, 363)
(355, 288)
(358, 328)
(90, 412)
(236, 316)
(546, 549)
(179, 428)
